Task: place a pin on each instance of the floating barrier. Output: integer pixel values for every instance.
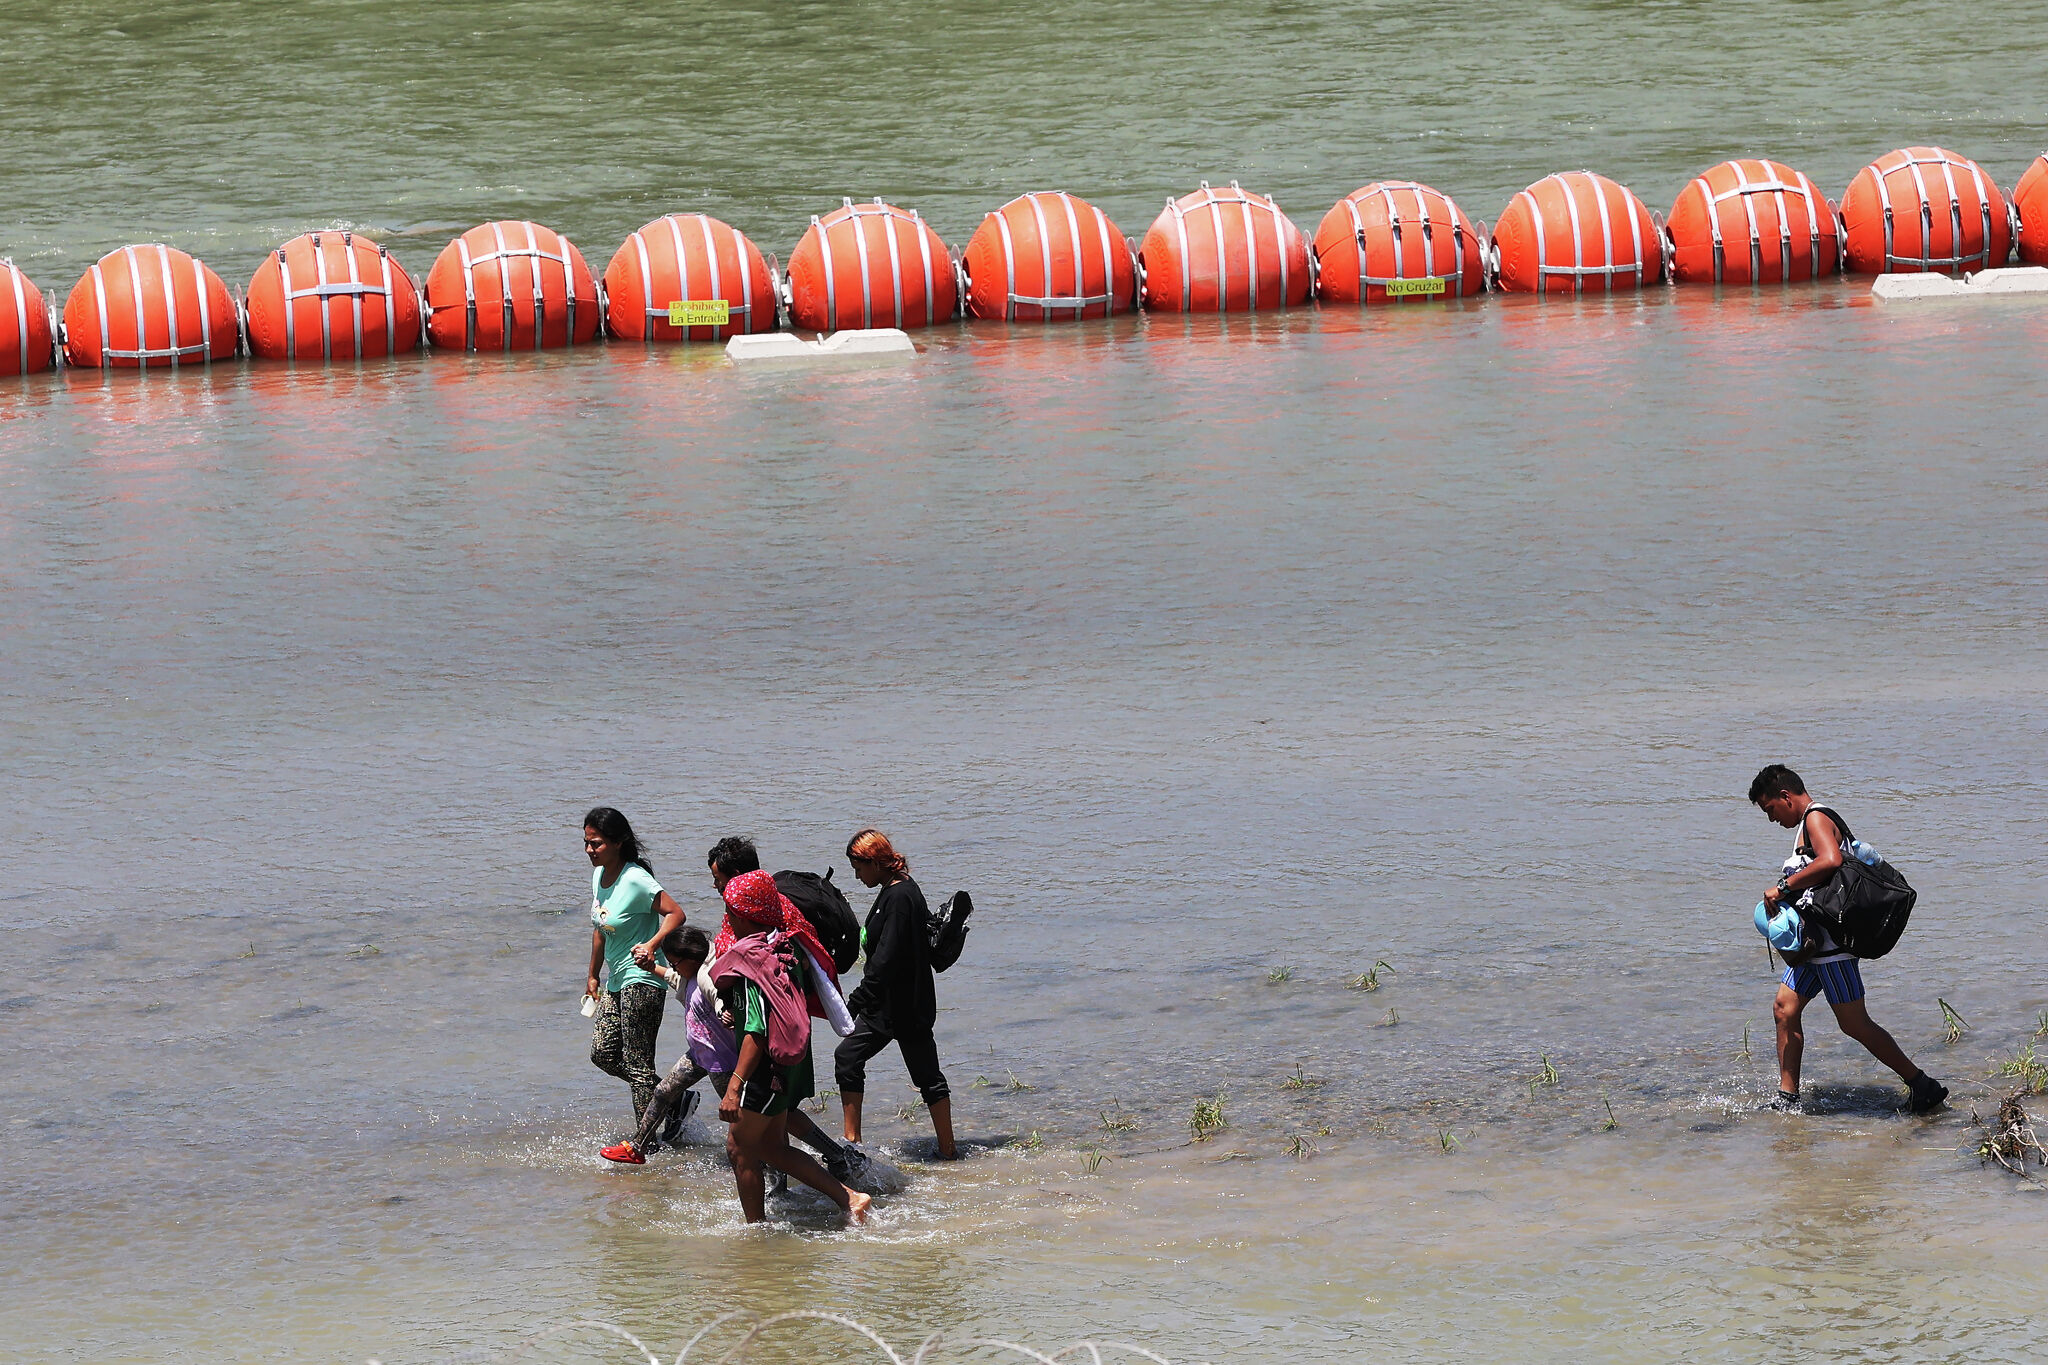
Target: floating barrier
(1224, 251)
(1395, 240)
(688, 277)
(870, 266)
(1049, 257)
(1753, 222)
(331, 296)
(27, 334)
(1923, 208)
(2030, 205)
(146, 306)
(1573, 232)
(510, 286)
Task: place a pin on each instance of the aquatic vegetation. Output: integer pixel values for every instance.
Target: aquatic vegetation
(1276, 975)
(2009, 1139)
(2028, 1067)
(1447, 1140)
(1207, 1120)
(1546, 1076)
(248, 953)
(982, 1083)
(1118, 1122)
(1302, 1081)
(1953, 1025)
(1612, 1122)
(1093, 1160)
(1031, 1142)
(1391, 1018)
(1744, 1054)
(1300, 1147)
(815, 1104)
(1370, 980)
(2041, 1025)
(1014, 1086)
(906, 1112)
(366, 950)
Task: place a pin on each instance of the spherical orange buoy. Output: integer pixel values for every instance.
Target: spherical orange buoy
(510, 285)
(149, 305)
(1045, 257)
(1924, 209)
(1753, 222)
(25, 345)
(1574, 232)
(870, 265)
(688, 277)
(1400, 240)
(1224, 251)
(2030, 202)
(332, 295)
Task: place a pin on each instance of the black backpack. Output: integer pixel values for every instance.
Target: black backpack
(949, 930)
(824, 905)
(1864, 906)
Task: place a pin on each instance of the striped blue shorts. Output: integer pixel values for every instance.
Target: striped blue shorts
(1843, 981)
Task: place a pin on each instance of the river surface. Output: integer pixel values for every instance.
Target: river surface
(1221, 659)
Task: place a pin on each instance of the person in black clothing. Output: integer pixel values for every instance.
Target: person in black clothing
(895, 1000)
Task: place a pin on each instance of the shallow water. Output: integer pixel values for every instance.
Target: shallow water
(1198, 649)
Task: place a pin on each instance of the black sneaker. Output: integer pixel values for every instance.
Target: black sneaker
(679, 1117)
(1924, 1094)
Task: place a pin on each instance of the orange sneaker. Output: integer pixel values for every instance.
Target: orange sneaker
(624, 1152)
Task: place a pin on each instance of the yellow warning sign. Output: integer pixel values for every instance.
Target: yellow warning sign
(1429, 284)
(707, 312)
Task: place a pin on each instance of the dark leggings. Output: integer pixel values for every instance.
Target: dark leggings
(667, 1096)
(622, 1044)
(920, 1055)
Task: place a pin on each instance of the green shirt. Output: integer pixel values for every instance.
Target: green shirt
(625, 912)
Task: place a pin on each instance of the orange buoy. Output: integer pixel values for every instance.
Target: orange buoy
(1924, 209)
(1224, 251)
(149, 305)
(332, 296)
(25, 334)
(1395, 239)
(2030, 204)
(1753, 222)
(510, 286)
(1048, 256)
(870, 265)
(688, 277)
(1574, 232)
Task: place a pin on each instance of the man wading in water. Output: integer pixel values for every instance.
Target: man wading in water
(1816, 857)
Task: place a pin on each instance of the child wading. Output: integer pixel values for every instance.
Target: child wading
(896, 1000)
(631, 917)
(1816, 858)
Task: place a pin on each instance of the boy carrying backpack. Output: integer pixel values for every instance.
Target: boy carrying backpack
(1816, 884)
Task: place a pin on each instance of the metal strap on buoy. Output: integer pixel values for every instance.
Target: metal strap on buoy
(532, 251)
(145, 353)
(1213, 200)
(20, 309)
(355, 287)
(1579, 272)
(1452, 279)
(1981, 258)
(1743, 190)
(1047, 299)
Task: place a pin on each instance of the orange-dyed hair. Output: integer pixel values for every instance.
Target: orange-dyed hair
(873, 846)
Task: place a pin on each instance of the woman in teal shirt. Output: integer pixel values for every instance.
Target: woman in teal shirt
(630, 918)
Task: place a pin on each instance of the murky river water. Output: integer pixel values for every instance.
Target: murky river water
(1206, 653)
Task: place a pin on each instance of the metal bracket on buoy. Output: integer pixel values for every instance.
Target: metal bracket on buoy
(1667, 250)
(961, 282)
(1137, 275)
(1487, 257)
(778, 293)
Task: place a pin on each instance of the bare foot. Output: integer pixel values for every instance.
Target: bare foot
(857, 1206)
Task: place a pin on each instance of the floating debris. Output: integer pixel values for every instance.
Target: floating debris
(2009, 1140)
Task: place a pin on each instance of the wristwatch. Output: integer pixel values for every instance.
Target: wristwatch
(1784, 888)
